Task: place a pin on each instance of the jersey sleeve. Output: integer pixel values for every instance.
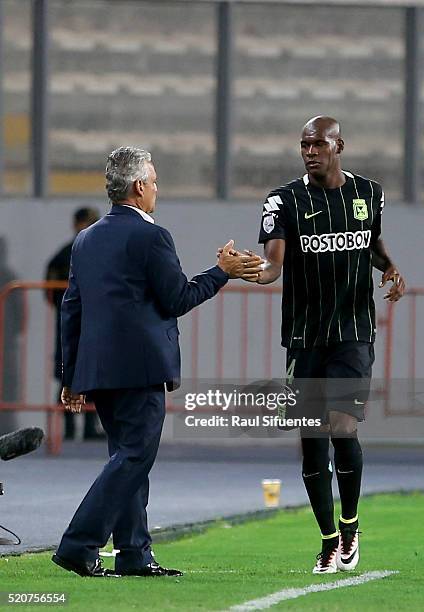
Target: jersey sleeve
(376, 226)
(273, 221)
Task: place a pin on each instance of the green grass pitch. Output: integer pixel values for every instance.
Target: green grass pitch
(228, 565)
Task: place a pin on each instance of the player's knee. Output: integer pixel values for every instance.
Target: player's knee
(343, 430)
(343, 425)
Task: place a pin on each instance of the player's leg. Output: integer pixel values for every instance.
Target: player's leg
(317, 476)
(348, 463)
(304, 366)
(349, 369)
(348, 466)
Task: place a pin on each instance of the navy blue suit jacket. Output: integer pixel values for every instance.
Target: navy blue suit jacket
(119, 314)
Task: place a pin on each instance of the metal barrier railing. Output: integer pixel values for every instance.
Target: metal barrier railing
(54, 411)
(411, 296)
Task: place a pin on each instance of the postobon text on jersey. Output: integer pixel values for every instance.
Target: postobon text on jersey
(342, 241)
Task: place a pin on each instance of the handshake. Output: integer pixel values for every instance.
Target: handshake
(247, 266)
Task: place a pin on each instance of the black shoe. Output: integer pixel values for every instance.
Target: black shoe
(151, 570)
(93, 570)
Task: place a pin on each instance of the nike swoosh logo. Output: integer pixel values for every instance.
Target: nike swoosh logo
(308, 216)
(350, 558)
(342, 472)
(358, 403)
(309, 475)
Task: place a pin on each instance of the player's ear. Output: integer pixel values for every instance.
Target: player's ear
(340, 145)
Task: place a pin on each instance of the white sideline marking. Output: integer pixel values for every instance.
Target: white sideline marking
(270, 600)
(104, 553)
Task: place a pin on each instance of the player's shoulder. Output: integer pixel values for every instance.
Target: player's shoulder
(365, 183)
(284, 193)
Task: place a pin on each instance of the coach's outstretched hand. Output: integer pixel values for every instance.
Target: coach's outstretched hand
(239, 265)
(397, 290)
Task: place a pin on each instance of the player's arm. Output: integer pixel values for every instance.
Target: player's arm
(274, 250)
(273, 234)
(383, 262)
(380, 257)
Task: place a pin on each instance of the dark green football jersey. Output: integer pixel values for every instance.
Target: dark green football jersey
(327, 271)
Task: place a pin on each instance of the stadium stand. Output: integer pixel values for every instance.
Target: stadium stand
(146, 75)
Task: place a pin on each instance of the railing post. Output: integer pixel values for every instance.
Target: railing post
(40, 99)
(414, 23)
(388, 355)
(2, 116)
(224, 99)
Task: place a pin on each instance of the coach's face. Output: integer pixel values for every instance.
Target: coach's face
(147, 190)
(320, 151)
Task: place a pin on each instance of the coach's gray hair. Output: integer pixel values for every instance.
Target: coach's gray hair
(124, 166)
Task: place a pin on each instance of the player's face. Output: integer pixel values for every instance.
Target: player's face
(150, 190)
(320, 152)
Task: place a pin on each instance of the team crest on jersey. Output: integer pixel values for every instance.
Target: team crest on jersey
(268, 223)
(360, 210)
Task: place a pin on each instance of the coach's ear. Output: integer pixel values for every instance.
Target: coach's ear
(340, 145)
(138, 187)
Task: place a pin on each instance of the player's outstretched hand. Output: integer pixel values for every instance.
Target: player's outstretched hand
(397, 290)
(246, 266)
(72, 401)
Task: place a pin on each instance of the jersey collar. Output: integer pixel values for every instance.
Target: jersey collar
(345, 172)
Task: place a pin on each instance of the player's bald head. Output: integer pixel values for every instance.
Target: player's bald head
(321, 145)
(325, 126)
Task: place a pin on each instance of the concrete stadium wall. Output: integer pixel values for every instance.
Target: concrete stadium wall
(144, 73)
(35, 229)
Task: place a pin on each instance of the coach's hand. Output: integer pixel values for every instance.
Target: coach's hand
(239, 265)
(72, 401)
(397, 290)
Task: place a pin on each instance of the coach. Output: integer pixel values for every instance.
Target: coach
(120, 344)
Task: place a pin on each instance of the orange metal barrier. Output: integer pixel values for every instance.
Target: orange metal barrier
(23, 402)
(411, 296)
(270, 318)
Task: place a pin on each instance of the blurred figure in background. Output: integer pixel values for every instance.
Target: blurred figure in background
(58, 269)
(13, 321)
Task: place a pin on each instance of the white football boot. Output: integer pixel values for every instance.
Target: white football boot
(326, 560)
(348, 551)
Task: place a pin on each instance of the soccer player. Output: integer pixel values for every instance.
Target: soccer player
(326, 229)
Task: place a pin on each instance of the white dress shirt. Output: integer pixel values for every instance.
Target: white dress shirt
(145, 216)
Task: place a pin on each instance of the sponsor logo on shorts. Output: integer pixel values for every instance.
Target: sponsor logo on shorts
(342, 241)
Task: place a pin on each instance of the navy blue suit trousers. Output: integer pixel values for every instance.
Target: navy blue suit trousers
(116, 502)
